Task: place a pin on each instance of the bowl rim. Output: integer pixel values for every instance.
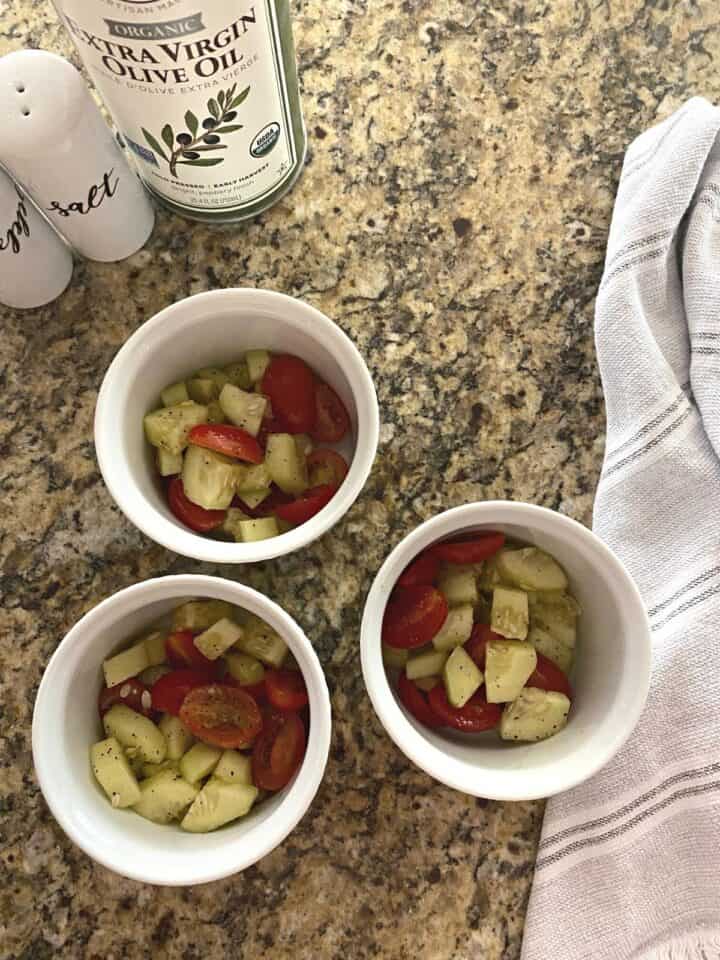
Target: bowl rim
(186, 313)
(452, 771)
(302, 790)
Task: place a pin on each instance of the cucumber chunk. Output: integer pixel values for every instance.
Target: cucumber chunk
(151, 675)
(138, 734)
(215, 413)
(261, 529)
(234, 767)
(425, 664)
(164, 797)
(202, 390)
(169, 427)
(252, 498)
(113, 772)
(254, 478)
(531, 569)
(458, 584)
(199, 761)
(456, 629)
(150, 769)
(462, 677)
(177, 736)
(261, 641)
(198, 615)
(244, 668)
(394, 657)
(168, 464)
(557, 615)
(218, 803)
(552, 648)
(218, 376)
(244, 409)
(509, 615)
(209, 478)
(218, 638)
(508, 664)
(155, 647)
(129, 663)
(427, 683)
(257, 363)
(489, 578)
(534, 715)
(287, 469)
(231, 524)
(238, 375)
(175, 393)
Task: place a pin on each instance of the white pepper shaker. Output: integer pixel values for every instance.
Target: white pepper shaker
(35, 264)
(55, 142)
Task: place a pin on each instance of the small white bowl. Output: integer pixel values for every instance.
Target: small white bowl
(610, 679)
(66, 724)
(214, 328)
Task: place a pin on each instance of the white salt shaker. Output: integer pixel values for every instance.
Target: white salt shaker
(54, 141)
(35, 264)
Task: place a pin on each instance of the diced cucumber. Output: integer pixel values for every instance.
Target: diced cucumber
(203, 389)
(244, 668)
(234, 767)
(531, 569)
(534, 715)
(489, 578)
(126, 664)
(462, 677)
(257, 363)
(177, 736)
(198, 615)
(508, 664)
(155, 647)
(218, 638)
(169, 427)
(164, 797)
(557, 615)
(425, 664)
(151, 675)
(209, 478)
(213, 373)
(287, 469)
(150, 769)
(458, 584)
(427, 683)
(244, 409)
(551, 647)
(199, 761)
(253, 478)
(482, 609)
(261, 529)
(168, 464)
(113, 773)
(175, 393)
(456, 629)
(253, 498)
(231, 524)
(237, 374)
(218, 803)
(303, 444)
(509, 615)
(138, 735)
(215, 413)
(394, 657)
(261, 641)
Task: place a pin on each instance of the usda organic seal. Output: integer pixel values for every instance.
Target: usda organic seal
(265, 140)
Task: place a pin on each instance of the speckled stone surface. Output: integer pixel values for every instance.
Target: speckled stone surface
(452, 219)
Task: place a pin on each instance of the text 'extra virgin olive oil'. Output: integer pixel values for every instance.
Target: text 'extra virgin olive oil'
(204, 94)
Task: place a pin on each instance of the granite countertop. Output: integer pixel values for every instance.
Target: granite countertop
(452, 219)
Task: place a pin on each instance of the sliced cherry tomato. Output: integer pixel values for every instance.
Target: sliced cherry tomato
(548, 676)
(333, 420)
(222, 715)
(182, 652)
(326, 467)
(286, 689)
(224, 438)
(306, 506)
(278, 751)
(475, 716)
(189, 513)
(131, 693)
(290, 384)
(413, 616)
(421, 572)
(416, 702)
(469, 549)
(477, 642)
(169, 692)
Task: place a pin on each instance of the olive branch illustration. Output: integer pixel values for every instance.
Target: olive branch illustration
(186, 149)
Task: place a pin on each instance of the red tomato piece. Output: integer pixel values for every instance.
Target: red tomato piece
(475, 716)
(469, 549)
(413, 616)
(190, 513)
(421, 572)
(222, 715)
(306, 506)
(477, 642)
(548, 676)
(182, 652)
(416, 702)
(286, 689)
(326, 467)
(130, 692)
(332, 419)
(224, 438)
(278, 751)
(290, 384)
(170, 690)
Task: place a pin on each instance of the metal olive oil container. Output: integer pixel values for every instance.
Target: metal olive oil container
(204, 94)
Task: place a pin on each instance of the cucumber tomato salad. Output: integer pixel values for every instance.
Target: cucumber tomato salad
(201, 718)
(246, 449)
(481, 633)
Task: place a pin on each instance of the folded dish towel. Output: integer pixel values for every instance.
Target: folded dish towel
(629, 863)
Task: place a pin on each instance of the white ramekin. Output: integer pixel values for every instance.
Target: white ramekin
(66, 724)
(610, 679)
(215, 328)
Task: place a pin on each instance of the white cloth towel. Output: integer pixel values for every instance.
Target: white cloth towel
(629, 862)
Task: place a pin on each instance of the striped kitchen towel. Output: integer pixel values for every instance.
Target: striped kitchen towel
(629, 862)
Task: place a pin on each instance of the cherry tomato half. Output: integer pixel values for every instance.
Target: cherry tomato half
(290, 384)
(413, 616)
(286, 689)
(475, 716)
(131, 693)
(190, 513)
(278, 751)
(182, 652)
(222, 715)
(415, 702)
(548, 676)
(224, 438)
(477, 642)
(326, 467)
(469, 549)
(421, 572)
(169, 692)
(306, 506)
(332, 419)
